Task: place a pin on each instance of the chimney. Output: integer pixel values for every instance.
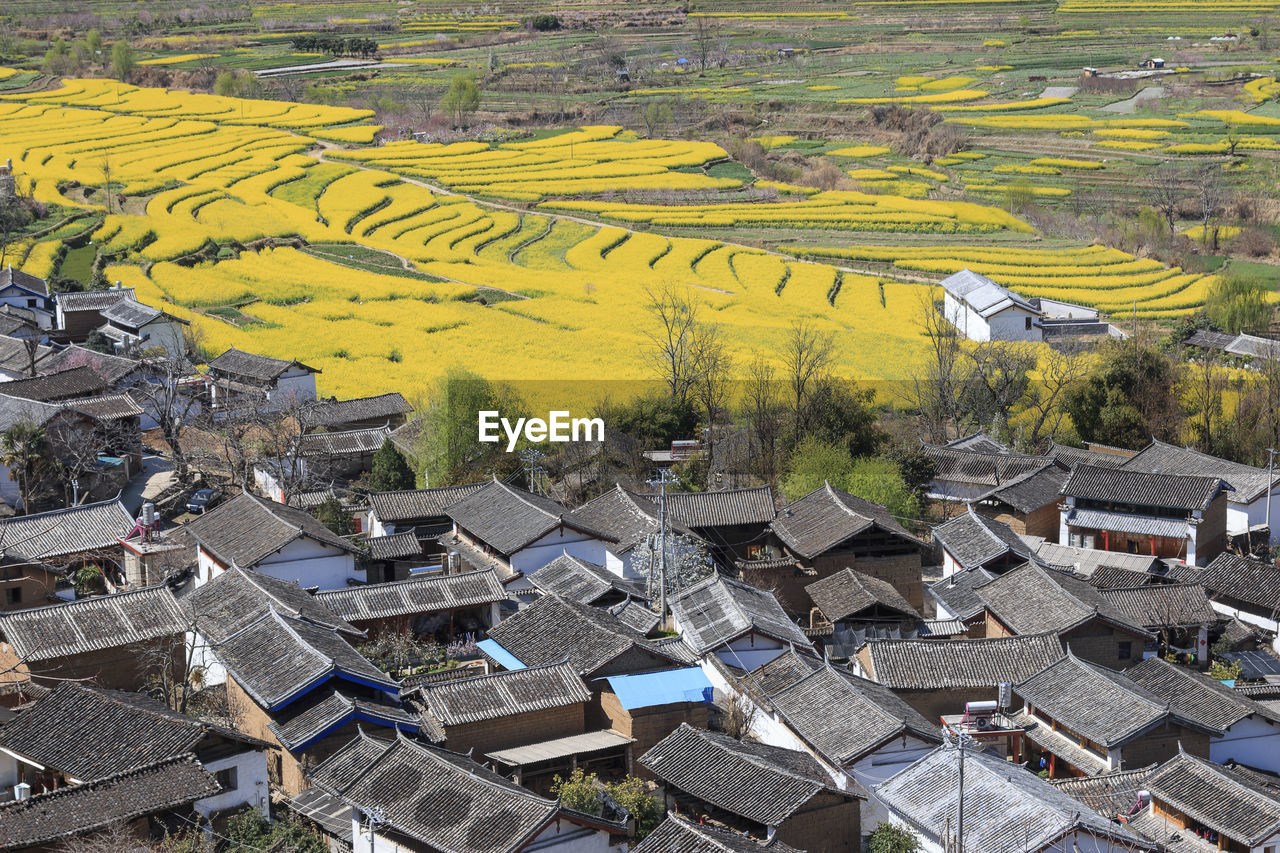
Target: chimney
(22, 791)
(117, 284)
(453, 563)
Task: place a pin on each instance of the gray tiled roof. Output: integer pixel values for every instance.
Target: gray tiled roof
(397, 546)
(1093, 701)
(718, 610)
(62, 532)
(504, 694)
(982, 294)
(678, 834)
(626, 516)
(10, 276)
(582, 581)
(98, 804)
(112, 368)
(1006, 806)
(954, 465)
(133, 314)
(247, 365)
(88, 733)
(346, 443)
(848, 592)
(957, 592)
(826, 517)
(841, 715)
(1217, 797)
(974, 540)
(553, 627)
(1162, 605)
(15, 357)
(1108, 794)
(63, 385)
(1125, 486)
(636, 614)
(1032, 599)
(18, 410)
(276, 658)
(91, 624)
(979, 442)
(419, 504)
(1196, 696)
(722, 509)
(247, 529)
(237, 597)
(1249, 482)
(1031, 491)
(1090, 561)
(1073, 456)
(1250, 581)
(423, 594)
(764, 784)
(339, 412)
(436, 797)
(940, 664)
(93, 300)
(332, 712)
(508, 519)
(108, 407)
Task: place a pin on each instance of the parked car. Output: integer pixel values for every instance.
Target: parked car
(203, 499)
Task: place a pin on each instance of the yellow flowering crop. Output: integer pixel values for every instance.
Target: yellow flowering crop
(859, 151)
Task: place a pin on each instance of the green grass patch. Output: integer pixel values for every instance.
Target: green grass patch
(362, 258)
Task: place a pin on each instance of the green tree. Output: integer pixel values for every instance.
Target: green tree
(578, 792)
(814, 462)
(122, 60)
(1127, 399)
(878, 479)
(1238, 303)
(390, 472)
(657, 115)
(461, 99)
(93, 43)
(874, 478)
(26, 454)
(248, 829)
(449, 438)
(633, 795)
(225, 85)
(891, 838)
(333, 515)
(98, 342)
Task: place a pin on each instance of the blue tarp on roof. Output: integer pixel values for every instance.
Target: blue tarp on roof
(661, 688)
(500, 655)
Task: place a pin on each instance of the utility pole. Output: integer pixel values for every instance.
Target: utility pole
(661, 483)
(958, 740)
(1271, 462)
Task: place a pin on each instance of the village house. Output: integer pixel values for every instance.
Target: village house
(73, 438)
(851, 725)
(453, 804)
(29, 294)
(1243, 730)
(423, 512)
(1253, 489)
(1019, 810)
(441, 606)
(1178, 614)
(116, 640)
(1085, 719)
(1165, 515)
(249, 532)
(384, 410)
(648, 706)
(588, 583)
(828, 530)
(596, 642)
(50, 386)
(78, 734)
(956, 597)
(1194, 804)
(634, 521)
(679, 834)
(163, 794)
(982, 310)
(1104, 569)
(303, 687)
(765, 791)
(239, 379)
(734, 521)
(848, 606)
(1027, 504)
(972, 541)
(134, 329)
(1244, 589)
(326, 458)
(740, 624)
(964, 474)
(939, 677)
(79, 312)
(64, 539)
(522, 532)
(1034, 600)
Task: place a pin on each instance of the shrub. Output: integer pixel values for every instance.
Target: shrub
(1238, 303)
(1253, 242)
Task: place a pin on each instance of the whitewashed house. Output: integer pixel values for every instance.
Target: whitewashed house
(134, 328)
(742, 625)
(249, 532)
(28, 294)
(984, 311)
(239, 378)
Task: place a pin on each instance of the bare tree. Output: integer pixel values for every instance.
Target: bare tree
(763, 412)
(1060, 368)
(278, 446)
(710, 389)
(935, 391)
(1205, 383)
(704, 36)
(172, 400)
(1212, 192)
(1164, 191)
(105, 168)
(998, 378)
(679, 340)
(807, 355)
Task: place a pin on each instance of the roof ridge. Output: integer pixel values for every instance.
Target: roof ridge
(509, 787)
(835, 496)
(756, 760)
(95, 599)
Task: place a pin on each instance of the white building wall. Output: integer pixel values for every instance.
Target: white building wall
(1253, 741)
(294, 384)
(167, 334)
(202, 655)
(1011, 325)
(252, 784)
(877, 767)
(965, 319)
(565, 541)
(1241, 517)
(310, 563)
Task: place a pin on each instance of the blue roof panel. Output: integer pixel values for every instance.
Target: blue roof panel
(661, 688)
(503, 657)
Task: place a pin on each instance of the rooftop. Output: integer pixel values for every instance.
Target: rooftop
(63, 532)
(1032, 599)
(1139, 488)
(848, 592)
(982, 294)
(419, 504)
(237, 597)
(1030, 491)
(423, 594)
(583, 581)
(351, 442)
(976, 468)
(1162, 605)
(10, 277)
(332, 712)
(508, 519)
(958, 592)
(63, 385)
(247, 529)
(1217, 797)
(826, 517)
(722, 509)
(257, 368)
(974, 540)
(93, 300)
(677, 834)
(718, 610)
(91, 624)
(1250, 581)
(1196, 696)
(1158, 457)
(328, 413)
(504, 694)
(626, 516)
(941, 664)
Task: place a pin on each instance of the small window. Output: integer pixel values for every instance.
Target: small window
(13, 595)
(227, 778)
(31, 303)
(1027, 320)
(1124, 651)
